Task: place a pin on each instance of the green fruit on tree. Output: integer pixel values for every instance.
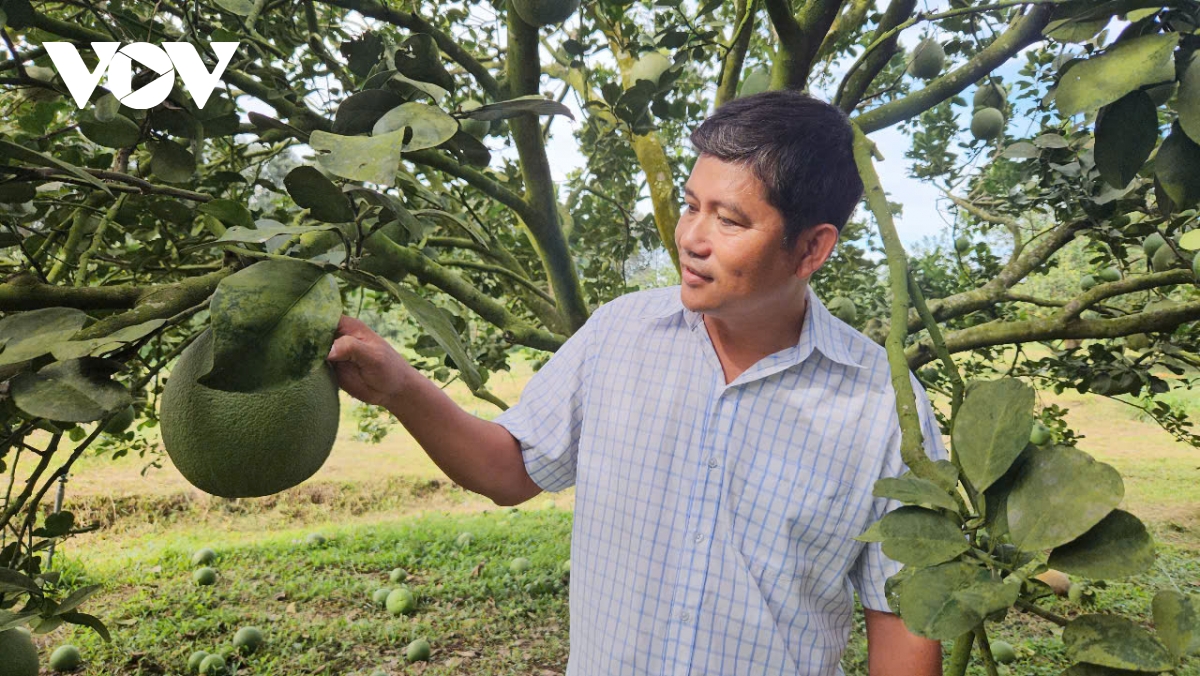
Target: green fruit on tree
(843, 308)
(241, 445)
(1164, 259)
(990, 95)
(519, 565)
(205, 576)
(1152, 244)
(195, 660)
(417, 651)
(1002, 652)
(65, 658)
(203, 557)
(247, 640)
(1039, 435)
(380, 596)
(987, 124)
(928, 59)
(649, 66)
(757, 81)
(1087, 282)
(545, 12)
(121, 421)
(20, 655)
(398, 575)
(213, 665)
(401, 602)
(962, 245)
(476, 128)
(1109, 274)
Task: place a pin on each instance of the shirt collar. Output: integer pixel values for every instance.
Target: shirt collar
(821, 331)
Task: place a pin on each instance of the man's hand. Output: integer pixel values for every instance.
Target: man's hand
(893, 651)
(367, 367)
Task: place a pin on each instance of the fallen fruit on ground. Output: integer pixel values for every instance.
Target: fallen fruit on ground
(401, 601)
(379, 598)
(398, 575)
(928, 59)
(1002, 652)
(987, 123)
(65, 658)
(464, 540)
(248, 640)
(417, 651)
(545, 12)
(20, 655)
(205, 576)
(203, 557)
(213, 665)
(241, 445)
(315, 539)
(195, 660)
(519, 565)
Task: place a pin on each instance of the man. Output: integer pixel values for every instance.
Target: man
(723, 436)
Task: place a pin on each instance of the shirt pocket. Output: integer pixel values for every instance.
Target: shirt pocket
(785, 513)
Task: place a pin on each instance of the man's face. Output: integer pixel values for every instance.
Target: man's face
(730, 242)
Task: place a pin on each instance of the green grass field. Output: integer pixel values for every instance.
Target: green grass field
(386, 505)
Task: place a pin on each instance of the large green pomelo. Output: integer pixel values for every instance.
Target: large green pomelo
(476, 128)
(248, 640)
(545, 12)
(400, 602)
(245, 445)
(987, 124)
(928, 59)
(650, 66)
(20, 655)
(756, 81)
(989, 95)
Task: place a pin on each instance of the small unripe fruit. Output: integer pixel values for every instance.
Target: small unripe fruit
(1087, 282)
(203, 557)
(1039, 435)
(756, 81)
(1152, 244)
(398, 575)
(962, 245)
(928, 59)
(65, 658)
(1109, 274)
(213, 665)
(990, 95)
(205, 576)
(519, 565)
(248, 639)
(476, 128)
(380, 596)
(195, 660)
(417, 651)
(401, 602)
(987, 124)
(1002, 652)
(844, 309)
(1164, 259)
(649, 66)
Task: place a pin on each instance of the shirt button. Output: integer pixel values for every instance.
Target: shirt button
(698, 537)
(712, 463)
(685, 616)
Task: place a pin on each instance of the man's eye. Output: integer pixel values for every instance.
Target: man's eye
(726, 221)
(691, 208)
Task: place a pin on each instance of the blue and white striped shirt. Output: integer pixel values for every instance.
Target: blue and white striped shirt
(714, 523)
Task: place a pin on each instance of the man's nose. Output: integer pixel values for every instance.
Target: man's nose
(691, 235)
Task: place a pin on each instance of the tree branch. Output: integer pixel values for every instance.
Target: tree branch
(1023, 32)
(871, 63)
(735, 56)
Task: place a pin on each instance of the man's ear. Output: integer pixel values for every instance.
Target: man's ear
(813, 247)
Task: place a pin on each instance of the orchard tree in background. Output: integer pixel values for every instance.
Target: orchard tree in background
(368, 155)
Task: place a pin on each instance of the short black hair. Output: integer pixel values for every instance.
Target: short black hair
(799, 147)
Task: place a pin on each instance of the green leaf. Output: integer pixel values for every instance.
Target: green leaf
(435, 92)
(273, 323)
(913, 490)
(22, 326)
(76, 598)
(992, 428)
(230, 212)
(1126, 133)
(1021, 150)
(1059, 494)
(171, 162)
(436, 324)
(238, 7)
(119, 132)
(12, 582)
(1085, 669)
(1112, 641)
(1190, 241)
(1072, 30)
(368, 158)
(312, 190)
(74, 349)
(267, 229)
(1103, 79)
(57, 524)
(78, 390)
(1176, 621)
(1177, 167)
(1117, 547)
(358, 113)
(431, 126)
(916, 536)
(89, 621)
(17, 193)
(20, 152)
(943, 601)
(522, 105)
(1187, 104)
(10, 620)
(873, 533)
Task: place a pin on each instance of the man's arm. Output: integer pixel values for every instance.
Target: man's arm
(477, 454)
(893, 651)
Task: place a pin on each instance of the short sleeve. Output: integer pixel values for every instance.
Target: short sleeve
(549, 415)
(872, 568)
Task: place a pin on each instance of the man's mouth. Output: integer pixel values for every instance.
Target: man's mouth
(697, 273)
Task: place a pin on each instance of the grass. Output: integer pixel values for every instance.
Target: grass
(387, 505)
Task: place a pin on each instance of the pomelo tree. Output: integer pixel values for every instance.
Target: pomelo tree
(1062, 132)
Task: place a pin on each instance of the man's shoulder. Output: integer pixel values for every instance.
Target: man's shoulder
(640, 305)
